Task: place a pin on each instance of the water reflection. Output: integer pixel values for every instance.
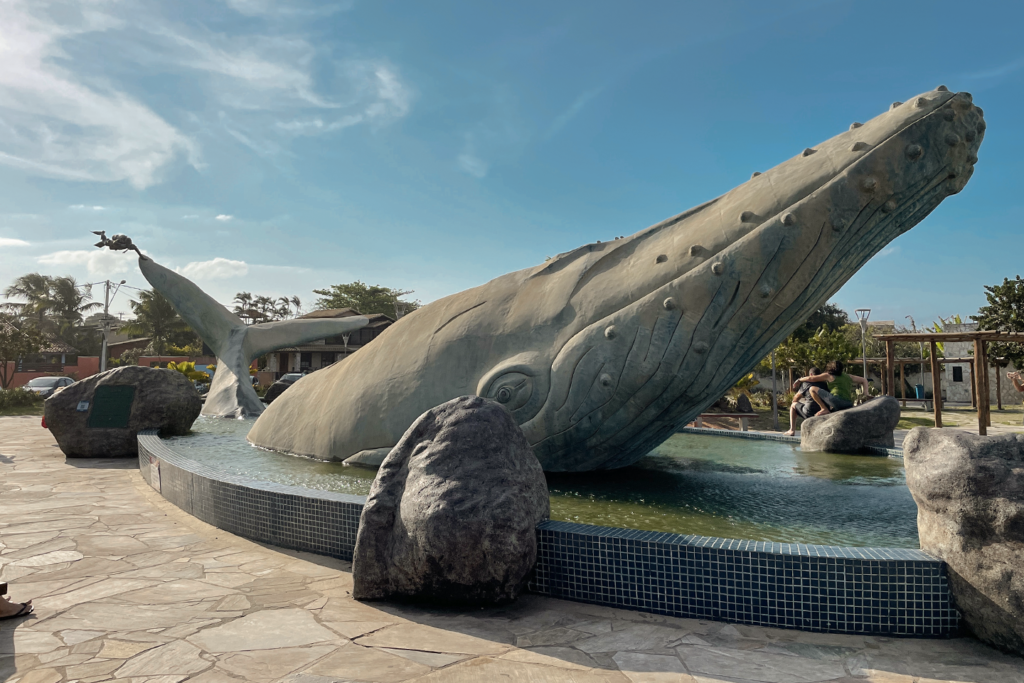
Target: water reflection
(691, 484)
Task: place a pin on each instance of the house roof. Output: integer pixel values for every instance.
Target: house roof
(332, 313)
(137, 340)
(50, 345)
(374, 318)
(53, 345)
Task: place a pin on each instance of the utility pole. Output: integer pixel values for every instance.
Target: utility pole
(107, 297)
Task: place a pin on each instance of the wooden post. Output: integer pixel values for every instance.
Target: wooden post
(890, 366)
(999, 387)
(988, 383)
(936, 384)
(974, 383)
(979, 385)
(903, 386)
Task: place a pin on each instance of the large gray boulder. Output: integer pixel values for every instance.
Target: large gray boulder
(100, 416)
(970, 512)
(853, 430)
(452, 513)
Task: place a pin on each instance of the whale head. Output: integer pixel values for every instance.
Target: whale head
(603, 352)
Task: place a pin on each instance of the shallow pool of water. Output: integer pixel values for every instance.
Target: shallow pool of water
(691, 484)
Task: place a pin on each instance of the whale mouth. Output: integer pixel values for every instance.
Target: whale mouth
(624, 383)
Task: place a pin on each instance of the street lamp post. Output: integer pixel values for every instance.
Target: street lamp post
(862, 318)
(920, 347)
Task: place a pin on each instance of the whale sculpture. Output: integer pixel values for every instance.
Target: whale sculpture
(235, 344)
(603, 352)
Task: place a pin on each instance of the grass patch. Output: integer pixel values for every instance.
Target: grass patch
(907, 422)
(14, 411)
(20, 402)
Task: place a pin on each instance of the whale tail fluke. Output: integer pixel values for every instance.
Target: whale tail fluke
(211, 320)
(235, 343)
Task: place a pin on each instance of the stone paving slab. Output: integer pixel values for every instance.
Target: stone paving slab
(129, 588)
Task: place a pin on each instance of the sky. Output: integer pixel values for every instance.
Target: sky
(277, 146)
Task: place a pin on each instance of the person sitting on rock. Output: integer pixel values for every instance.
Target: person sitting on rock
(803, 403)
(839, 395)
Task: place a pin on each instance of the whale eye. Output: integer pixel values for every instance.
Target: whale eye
(512, 390)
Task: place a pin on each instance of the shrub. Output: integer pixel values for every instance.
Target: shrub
(18, 398)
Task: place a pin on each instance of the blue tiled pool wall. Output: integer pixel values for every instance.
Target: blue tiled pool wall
(878, 591)
(287, 516)
(771, 436)
(812, 588)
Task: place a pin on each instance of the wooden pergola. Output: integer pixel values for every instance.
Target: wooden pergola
(980, 339)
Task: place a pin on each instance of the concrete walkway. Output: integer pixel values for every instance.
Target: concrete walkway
(129, 588)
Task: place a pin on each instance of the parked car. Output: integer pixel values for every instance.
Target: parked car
(278, 387)
(45, 386)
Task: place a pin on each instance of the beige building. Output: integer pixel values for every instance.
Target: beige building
(957, 377)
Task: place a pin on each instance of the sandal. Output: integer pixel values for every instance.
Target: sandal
(26, 609)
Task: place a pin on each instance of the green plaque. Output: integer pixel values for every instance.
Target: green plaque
(111, 407)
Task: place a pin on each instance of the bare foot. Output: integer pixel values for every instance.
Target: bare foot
(10, 609)
(823, 411)
(791, 432)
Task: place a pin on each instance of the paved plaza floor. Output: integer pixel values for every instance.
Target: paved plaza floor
(129, 588)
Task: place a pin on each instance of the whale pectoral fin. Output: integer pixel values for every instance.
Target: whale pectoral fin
(267, 337)
(371, 457)
(211, 321)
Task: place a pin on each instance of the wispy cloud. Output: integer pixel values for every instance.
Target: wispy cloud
(888, 251)
(469, 161)
(256, 8)
(575, 108)
(97, 262)
(81, 207)
(998, 72)
(472, 164)
(71, 118)
(12, 242)
(55, 125)
(224, 217)
(215, 269)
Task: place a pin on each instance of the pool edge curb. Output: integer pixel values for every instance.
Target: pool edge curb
(831, 589)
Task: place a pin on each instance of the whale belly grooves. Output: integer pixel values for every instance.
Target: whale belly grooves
(603, 352)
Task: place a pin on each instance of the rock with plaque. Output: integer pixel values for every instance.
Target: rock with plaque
(101, 416)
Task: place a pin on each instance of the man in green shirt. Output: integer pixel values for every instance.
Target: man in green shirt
(840, 388)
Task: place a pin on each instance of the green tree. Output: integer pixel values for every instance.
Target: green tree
(1004, 312)
(67, 308)
(829, 315)
(796, 349)
(17, 340)
(35, 290)
(156, 318)
(364, 298)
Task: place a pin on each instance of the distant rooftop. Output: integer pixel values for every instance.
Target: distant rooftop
(374, 318)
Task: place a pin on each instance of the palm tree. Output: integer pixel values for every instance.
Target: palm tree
(35, 289)
(298, 305)
(68, 304)
(243, 306)
(156, 318)
(264, 306)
